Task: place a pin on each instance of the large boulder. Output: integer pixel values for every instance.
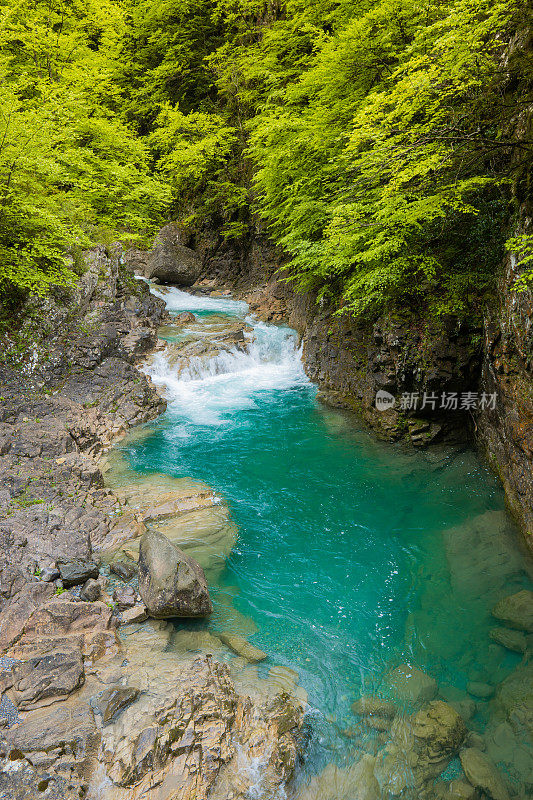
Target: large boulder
(171, 583)
(171, 261)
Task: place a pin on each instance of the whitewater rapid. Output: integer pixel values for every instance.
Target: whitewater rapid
(210, 392)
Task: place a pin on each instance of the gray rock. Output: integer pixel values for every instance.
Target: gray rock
(73, 573)
(510, 639)
(171, 583)
(481, 773)
(114, 700)
(91, 591)
(516, 610)
(124, 570)
(49, 574)
(47, 677)
(171, 261)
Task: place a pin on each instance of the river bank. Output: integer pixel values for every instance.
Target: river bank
(93, 704)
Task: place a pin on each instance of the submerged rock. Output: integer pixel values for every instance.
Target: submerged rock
(510, 639)
(420, 749)
(478, 689)
(370, 705)
(171, 583)
(412, 685)
(242, 647)
(516, 610)
(482, 774)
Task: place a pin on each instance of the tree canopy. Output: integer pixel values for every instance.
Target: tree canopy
(381, 140)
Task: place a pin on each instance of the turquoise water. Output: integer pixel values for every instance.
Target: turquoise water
(353, 555)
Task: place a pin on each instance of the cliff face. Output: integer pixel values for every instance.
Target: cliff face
(506, 432)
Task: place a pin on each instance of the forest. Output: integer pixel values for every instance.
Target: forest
(383, 144)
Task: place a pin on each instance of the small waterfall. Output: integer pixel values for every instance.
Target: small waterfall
(207, 391)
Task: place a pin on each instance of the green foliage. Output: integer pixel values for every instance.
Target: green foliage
(68, 165)
(521, 248)
(377, 138)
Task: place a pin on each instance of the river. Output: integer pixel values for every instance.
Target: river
(353, 555)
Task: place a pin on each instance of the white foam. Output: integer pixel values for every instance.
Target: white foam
(176, 300)
(208, 392)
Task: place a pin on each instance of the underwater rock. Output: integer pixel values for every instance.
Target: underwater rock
(357, 782)
(242, 647)
(510, 639)
(171, 584)
(371, 705)
(482, 774)
(516, 610)
(479, 689)
(412, 685)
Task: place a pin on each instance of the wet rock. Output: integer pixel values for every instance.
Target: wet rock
(184, 318)
(481, 773)
(242, 647)
(479, 689)
(125, 570)
(516, 611)
(72, 573)
(171, 583)
(411, 685)
(171, 261)
(137, 613)
(114, 700)
(371, 705)
(91, 591)
(125, 597)
(510, 639)
(47, 677)
(463, 704)
(356, 782)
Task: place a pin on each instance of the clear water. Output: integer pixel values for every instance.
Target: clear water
(353, 555)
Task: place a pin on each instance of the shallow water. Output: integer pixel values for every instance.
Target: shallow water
(352, 555)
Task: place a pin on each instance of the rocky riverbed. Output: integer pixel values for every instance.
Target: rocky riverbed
(95, 702)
